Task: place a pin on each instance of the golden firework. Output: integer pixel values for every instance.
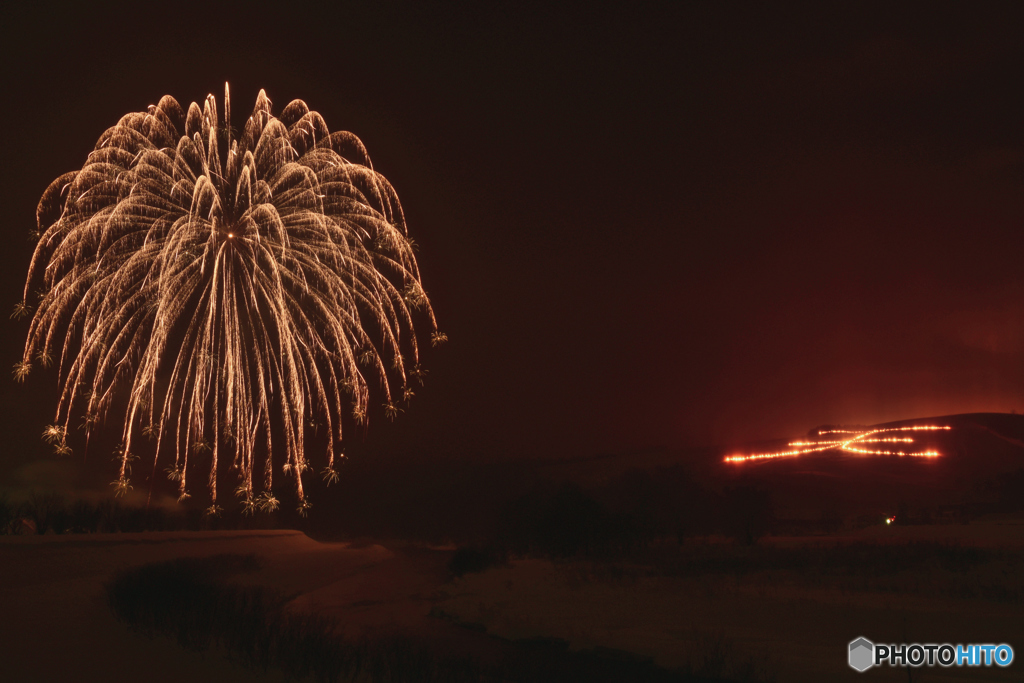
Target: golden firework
(223, 290)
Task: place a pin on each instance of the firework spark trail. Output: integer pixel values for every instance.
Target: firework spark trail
(235, 287)
(849, 445)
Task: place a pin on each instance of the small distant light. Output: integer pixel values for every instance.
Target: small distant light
(231, 234)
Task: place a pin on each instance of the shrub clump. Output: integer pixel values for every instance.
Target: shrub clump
(474, 559)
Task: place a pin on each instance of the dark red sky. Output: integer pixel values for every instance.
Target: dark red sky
(643, 226)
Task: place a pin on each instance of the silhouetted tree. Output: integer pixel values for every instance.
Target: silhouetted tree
(747, 513)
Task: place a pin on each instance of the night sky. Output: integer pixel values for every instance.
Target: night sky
(640, 227)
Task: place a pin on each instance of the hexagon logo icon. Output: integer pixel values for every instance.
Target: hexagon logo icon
(862, 654)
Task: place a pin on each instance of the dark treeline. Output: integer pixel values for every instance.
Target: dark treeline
(506, 509)
(522, 513)
(42, 513)
(503, 510)
(501, 506)
(53, 513)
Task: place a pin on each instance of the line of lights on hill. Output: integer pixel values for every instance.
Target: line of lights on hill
(853, 444)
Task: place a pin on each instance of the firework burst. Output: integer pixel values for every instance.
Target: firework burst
(221, 292)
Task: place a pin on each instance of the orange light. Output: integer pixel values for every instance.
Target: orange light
(231, 234)
(859, 437)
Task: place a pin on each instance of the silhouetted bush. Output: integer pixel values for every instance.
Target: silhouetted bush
(48, 511)
(566, 523)
(1011, 492)
(473, 559)
(662, 503)
(624, 516)
(746, 513)
(8, 514)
